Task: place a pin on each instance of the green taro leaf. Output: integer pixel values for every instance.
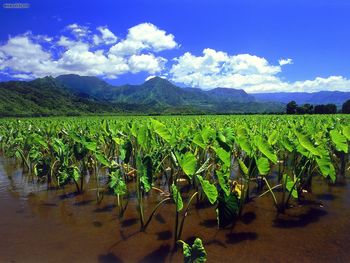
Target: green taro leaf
(263, 166)
(198, 139)
(289, 185)
(194, 254)
(273, 137)
(307, 144)
(187, 252)
(142, 136)
(266, 149)
(161, 130)
(207, 133)
(243, 167)
(145, 171)
(244, 143)
(199, 254)
(117, 183)
(209, 189)
(223, 181)
(346, 132)
(326, 167)
(223, 155)
(287, 144)
(126, 151)
(177, 197)
(339, 140)
(102, 159)
(227, 210)
(70, 172)
(187, 163)
(90, 145)
(204, 167)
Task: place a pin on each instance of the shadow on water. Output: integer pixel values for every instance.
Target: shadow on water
(84, 202)
(311, 216)
(129, 222)
(49, 204)
(209, 223)
(326, 197)
(215, 242)
(106, 208)
(248, 218)
(164, 235)
(234, 238)
(158, 255)
(109, 258)
(160, 219)
(69, 195)
(97, 224)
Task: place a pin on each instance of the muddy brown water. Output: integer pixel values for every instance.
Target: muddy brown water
(37, 225)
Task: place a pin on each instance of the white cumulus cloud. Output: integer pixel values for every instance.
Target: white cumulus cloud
(287, 61)
(25, 56)
(146, 62)
(144, 36)
(78, 31)
(218, 69)
(244, 71)
(99, 52)
(106, 36)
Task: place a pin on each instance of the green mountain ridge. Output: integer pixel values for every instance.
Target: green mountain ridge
(82, 95)
(169, 98)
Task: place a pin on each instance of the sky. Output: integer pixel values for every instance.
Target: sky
(255, 45)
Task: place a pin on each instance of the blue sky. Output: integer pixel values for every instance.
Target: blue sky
(260, 46)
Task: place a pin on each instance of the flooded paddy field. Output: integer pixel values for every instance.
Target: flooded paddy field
(40, 225)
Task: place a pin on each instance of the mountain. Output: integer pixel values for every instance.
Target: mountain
(156, 90)
(80, 95)
(160, 95)
(44, 97)
(230, 95)
(84, 85)
(322, 97)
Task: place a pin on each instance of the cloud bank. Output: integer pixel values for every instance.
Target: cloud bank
(98, 51)
(80, 51)
(244, 71)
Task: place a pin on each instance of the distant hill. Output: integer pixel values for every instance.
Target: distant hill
(46, 97)
(322, 97)
(230, 95)
(79, 95)
(162, 96)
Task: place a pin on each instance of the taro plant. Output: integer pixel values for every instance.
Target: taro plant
(117, 183)
(194, 253)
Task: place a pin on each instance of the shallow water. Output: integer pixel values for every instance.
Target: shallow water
(37, 225)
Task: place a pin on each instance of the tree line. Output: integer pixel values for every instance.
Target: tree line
(293, 108)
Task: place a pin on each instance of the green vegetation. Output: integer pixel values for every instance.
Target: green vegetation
(195, 253)
(71, 95)
(346, 107)
(293, 108)
(45, 97)
(222, 161)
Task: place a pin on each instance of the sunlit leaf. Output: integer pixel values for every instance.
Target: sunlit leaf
(177, 197)
(263, 166)
(209, 189)
(339, 140)
(187, 163)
